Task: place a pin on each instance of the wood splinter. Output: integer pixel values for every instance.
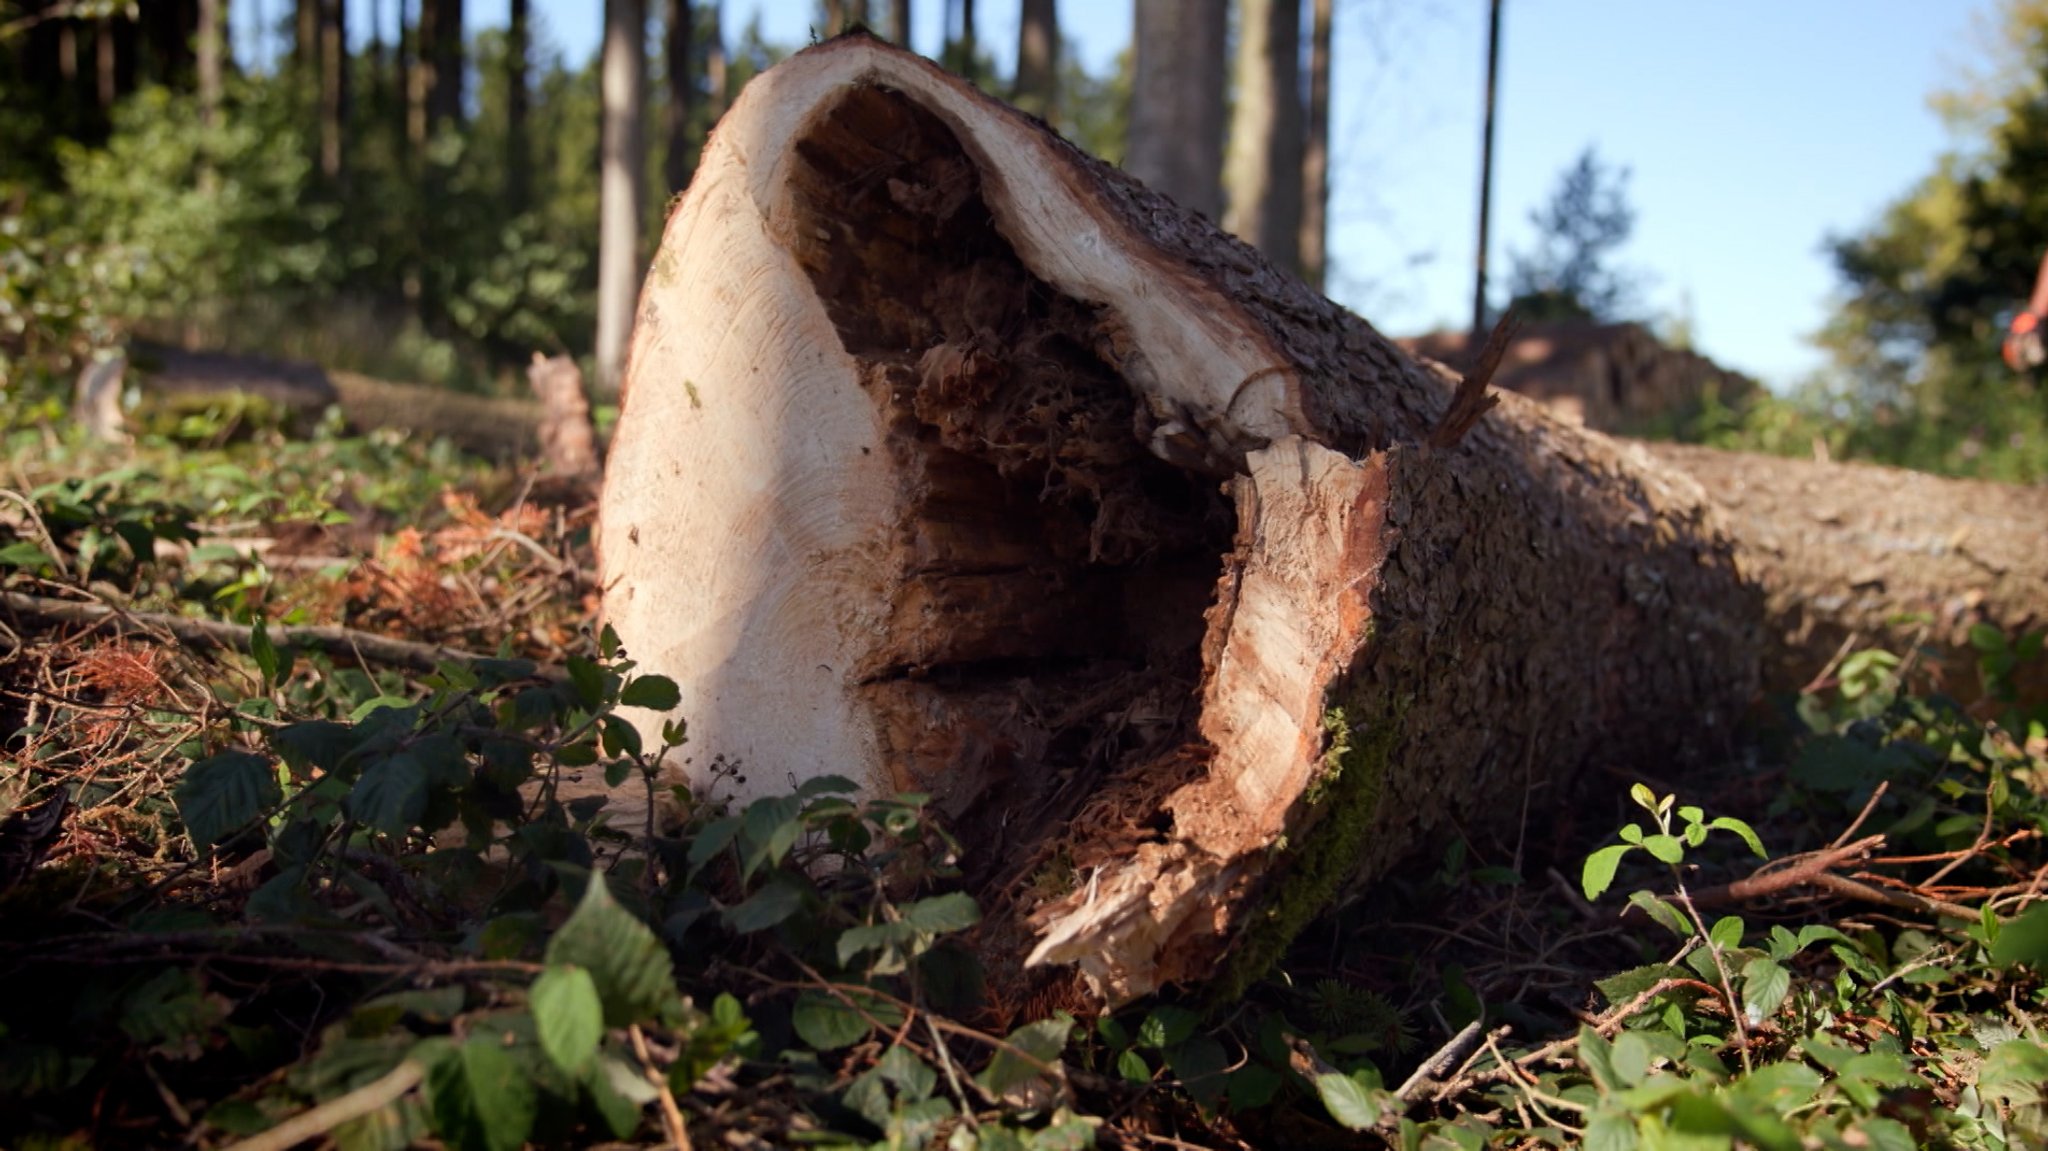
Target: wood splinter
(1472, 401)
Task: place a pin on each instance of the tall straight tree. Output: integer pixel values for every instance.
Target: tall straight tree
(678, 64)
(1177, 82)
(441, 58)
(1037, 89)
(1264, 168)
(899, 21)
(622, 166)
(714, 63)
(518, 149)
(212, 52)
(412, 78)
(333, 86)
(306, 33)
(1315, 152)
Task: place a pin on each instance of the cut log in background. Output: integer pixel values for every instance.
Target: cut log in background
(1862, 556)
(954, 460)
(1610, 377)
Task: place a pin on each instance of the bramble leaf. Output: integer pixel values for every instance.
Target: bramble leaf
(222, 793)
(627, 963)
(568, 1016)
(1600, 867)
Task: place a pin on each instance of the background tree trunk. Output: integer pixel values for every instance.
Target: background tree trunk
(899, 22)
(441, 58)
(678, 157)
(306, 34)
(106, 62)
(333, 86)
(620, 182)
(212, 53)
(1038, 59)
(1176, 131)
(1315, 154)
(835, 17)
(715, 80)
(518, 150)
(1264, 168)
(914, 488)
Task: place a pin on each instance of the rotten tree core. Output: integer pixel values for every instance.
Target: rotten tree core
(1047, 618)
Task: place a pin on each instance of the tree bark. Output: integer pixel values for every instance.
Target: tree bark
(1176, 131)
(899, 22)
(412, 75)
(306, 34)
(620, 182)
(211, 53)
(1264, 168)
(333, 86)
(714, 65)
(678, 157)
(1037, 88)
(106, 64)
(953, 460)
(518, 149)
(438, 64)
(1866, 556)
(1315, 153)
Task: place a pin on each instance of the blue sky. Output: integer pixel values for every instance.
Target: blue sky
(1752, 129)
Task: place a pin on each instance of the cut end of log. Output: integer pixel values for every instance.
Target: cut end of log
(954, 461)
(954, 508)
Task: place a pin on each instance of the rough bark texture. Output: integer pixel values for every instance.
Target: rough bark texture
(1895, 559)
(953, 459)
(619, 185)
(1177, 88)
(1611, 377)
(1264, 171)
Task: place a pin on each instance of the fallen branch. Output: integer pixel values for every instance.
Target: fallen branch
(326, 1117)
(345, 642)
(1447, 1057)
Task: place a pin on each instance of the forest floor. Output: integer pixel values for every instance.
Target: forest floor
(264, 884)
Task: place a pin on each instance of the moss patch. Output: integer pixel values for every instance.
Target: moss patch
(1346, 796)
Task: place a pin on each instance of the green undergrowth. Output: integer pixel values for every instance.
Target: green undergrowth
(462, 907)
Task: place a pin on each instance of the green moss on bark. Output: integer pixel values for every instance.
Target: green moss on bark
(1345, 796)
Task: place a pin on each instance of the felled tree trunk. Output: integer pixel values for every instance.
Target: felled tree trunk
(486, 426)
(956, 461)
(1863, 556)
